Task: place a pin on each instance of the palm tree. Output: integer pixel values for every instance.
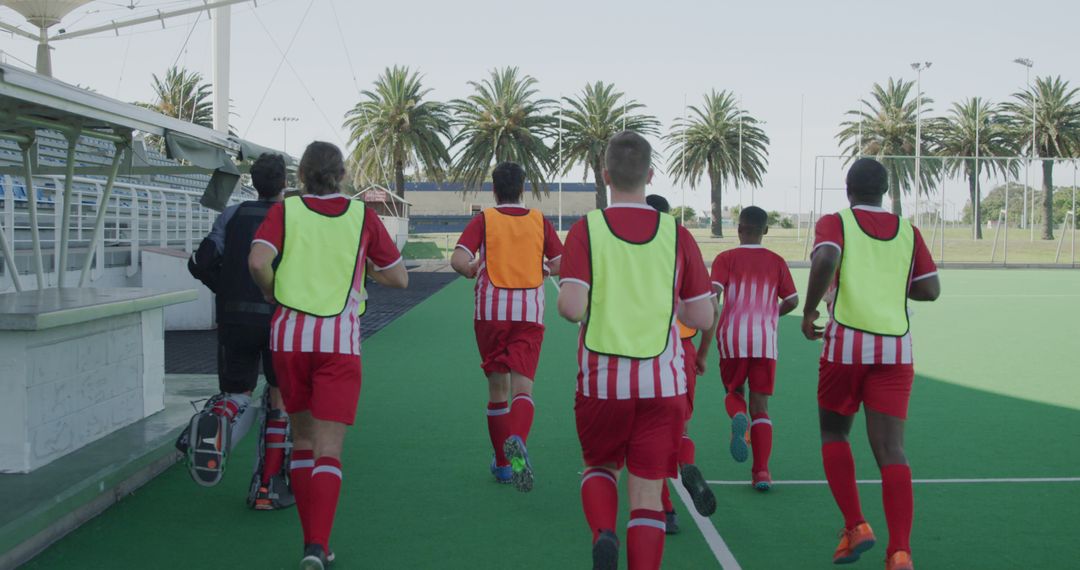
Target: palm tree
(707, 142)
(885, 127)
(503, 120)
(393, 127)
(183, 95)
(1057, 131)
(973, 127)
(593, 117)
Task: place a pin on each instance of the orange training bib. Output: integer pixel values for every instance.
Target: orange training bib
(514, 249)
(685, 332)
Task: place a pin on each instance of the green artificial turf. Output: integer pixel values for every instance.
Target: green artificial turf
(996, 396)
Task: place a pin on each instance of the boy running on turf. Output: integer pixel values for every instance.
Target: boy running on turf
(758, 290)
(326, 243)
(694, 358)
(627, 271)
(870, 262)
(505, 249)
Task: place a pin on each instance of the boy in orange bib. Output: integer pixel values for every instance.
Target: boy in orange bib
(509, 249)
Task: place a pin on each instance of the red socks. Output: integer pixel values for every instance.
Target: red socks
(665, 499)
(761, 441)
(521, 416)
(645, 539)
(840, 472)
(734, 403)
(275, 448)
(325, 488)
(899, 506)
(303, 461)
(600, 499)
(687, 450)
(498, 416)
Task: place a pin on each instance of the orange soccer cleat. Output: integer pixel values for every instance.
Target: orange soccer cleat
(853, 543)
(899, 560)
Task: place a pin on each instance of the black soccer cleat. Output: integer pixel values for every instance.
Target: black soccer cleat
(700, 493)
(605, 551)
(515, 451)
(671, 523)
(208, 447)
(314, 558)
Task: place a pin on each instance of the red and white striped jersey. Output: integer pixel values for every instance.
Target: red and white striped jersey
(293, 331)
(849, 346)
(493, 303)
(616, 378)
(610, 377)
(753, 280)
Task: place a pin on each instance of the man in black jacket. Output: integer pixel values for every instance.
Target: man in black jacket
(243, 318)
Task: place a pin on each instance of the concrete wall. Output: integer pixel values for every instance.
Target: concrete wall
(65, 387)
(166, 270)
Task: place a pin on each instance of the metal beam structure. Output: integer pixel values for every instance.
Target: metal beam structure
(31, 102)
(158, 17)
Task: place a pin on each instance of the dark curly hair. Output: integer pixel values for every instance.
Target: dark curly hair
(268, 175)
(322, 168)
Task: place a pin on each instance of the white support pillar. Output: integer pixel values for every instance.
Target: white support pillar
(222, 24)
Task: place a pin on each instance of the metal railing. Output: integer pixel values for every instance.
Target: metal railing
(136, 216)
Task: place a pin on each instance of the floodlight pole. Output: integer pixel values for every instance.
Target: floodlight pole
(1028, 64)
(222, 31)
(682, 161)
(918, 67)
(560, 160)
(285, 120)
(975, 218)
(802, 125)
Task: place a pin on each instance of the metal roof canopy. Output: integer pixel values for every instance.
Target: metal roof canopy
(29, 101)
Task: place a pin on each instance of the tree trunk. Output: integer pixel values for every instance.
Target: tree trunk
(601, 188)
(894, 190)
(1048, 199)
(716, 194)
(976, 211)
(399, 179)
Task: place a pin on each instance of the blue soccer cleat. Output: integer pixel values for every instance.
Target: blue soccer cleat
(502, 474)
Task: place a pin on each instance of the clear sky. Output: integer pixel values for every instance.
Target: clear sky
(773, 54)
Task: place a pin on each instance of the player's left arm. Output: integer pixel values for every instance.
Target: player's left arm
(925, 285)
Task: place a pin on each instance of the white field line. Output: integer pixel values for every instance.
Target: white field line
(712, 537)
(998, 480)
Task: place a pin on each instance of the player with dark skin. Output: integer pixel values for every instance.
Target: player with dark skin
(886, 432)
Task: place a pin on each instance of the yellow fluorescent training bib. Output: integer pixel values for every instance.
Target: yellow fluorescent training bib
(514, 249)
(875, 274)
(318, 258)
(632, 297)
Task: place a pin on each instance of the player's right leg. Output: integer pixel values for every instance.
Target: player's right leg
(521, 417)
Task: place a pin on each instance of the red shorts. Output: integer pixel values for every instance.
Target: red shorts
(760, 372)
(643, 434)
(327, 384)
(507, 346)
(884, 388)
(691, 373)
